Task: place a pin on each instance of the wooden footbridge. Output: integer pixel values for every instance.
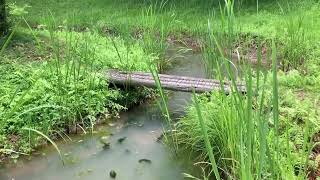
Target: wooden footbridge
(170, 82)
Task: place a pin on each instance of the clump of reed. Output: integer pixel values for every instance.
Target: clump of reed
(241, 135)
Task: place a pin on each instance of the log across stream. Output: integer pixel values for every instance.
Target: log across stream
(170, 82)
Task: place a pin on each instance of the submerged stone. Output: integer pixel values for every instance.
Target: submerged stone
(145, 160)
(113, 174)
(106, 145)
(120, 140)
(104, 138)
(159, 139)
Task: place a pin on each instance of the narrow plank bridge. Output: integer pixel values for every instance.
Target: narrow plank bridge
(169, 82)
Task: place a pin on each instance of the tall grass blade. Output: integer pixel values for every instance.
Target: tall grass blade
(165, 107)
(275, 109)
(206, 137)
(275, 98)
(7, 41)
(51, 141)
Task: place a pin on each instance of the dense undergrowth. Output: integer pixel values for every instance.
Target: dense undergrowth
(51, 79)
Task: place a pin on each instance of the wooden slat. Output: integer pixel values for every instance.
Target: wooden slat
(170, 82)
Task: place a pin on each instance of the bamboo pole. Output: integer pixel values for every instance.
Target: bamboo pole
(169, 82)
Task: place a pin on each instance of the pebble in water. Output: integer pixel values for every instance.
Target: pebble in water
(159, 139)
(113, 174)
(127, 151)
(120, 140)
(105, 143)
(145, 160)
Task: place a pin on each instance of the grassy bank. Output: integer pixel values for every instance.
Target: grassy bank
(266, 19)
(52, 81)
(271, 131)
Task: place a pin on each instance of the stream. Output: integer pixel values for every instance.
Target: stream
(139, 129)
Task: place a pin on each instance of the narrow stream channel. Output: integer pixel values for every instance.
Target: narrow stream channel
(86, 159)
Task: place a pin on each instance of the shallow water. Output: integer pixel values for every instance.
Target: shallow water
(86, 158)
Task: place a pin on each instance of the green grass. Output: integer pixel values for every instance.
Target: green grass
(61, 83)
(293, 24)
(206, 138)
(251, 135)
(184, 16)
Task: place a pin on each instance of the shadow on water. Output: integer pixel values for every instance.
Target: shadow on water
(87, 159)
